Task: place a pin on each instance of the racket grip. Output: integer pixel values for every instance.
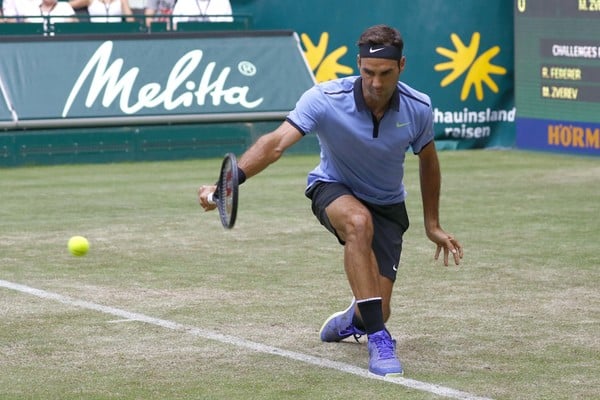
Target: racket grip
(210, 198)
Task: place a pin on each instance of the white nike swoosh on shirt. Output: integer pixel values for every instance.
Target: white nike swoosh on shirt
(401, 124)
(372, 50)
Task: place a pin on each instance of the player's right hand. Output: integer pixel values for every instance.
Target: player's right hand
(203, 192)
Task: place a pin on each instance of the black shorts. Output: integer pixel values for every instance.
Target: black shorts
(389, 224)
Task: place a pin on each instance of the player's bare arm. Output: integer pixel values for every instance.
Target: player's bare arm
(268, 149)
(430, 177)
(265, 151)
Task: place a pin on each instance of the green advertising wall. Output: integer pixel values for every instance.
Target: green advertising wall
(132, 89)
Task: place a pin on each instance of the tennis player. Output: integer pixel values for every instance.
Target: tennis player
(365, 125)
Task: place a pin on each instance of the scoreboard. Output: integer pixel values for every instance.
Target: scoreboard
(557, 75)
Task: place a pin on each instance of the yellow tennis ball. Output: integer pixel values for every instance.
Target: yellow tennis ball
(78, 245)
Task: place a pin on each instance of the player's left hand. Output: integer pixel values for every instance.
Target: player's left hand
(448, 243)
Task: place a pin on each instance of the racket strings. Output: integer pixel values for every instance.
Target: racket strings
(227, 190)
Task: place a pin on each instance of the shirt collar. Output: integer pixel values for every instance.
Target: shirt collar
(359, 99)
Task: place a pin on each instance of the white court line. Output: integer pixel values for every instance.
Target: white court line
(239, 342)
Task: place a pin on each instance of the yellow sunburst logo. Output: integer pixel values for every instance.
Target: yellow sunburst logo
(478, 69)
(325, 66)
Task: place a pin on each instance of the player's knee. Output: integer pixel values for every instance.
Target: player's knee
(360, 226)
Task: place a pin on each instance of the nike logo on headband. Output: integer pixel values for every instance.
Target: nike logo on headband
(377, 50)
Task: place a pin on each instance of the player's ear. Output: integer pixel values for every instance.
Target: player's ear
(402, 63)
(358, 61)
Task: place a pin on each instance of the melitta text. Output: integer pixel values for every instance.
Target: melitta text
(106, 77)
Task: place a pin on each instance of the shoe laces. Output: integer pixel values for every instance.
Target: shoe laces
(385, 345)
(351, 330)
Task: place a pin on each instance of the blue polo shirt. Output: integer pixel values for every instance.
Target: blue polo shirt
(365, 155)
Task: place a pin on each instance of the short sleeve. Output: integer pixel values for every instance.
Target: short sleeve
(426, 134)
(306, 114)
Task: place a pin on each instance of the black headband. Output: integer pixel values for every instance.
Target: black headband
(379, 51)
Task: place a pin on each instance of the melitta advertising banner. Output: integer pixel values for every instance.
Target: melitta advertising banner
(62, 82)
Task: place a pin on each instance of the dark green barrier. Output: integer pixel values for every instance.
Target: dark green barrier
(138, 25)
(135, 143)
(21, 29)
(69, 28)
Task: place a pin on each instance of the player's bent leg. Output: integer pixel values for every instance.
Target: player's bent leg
(353, 224)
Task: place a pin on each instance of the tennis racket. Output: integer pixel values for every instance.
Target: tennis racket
(226, 194)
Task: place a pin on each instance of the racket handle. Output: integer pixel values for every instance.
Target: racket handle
(210, 198)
